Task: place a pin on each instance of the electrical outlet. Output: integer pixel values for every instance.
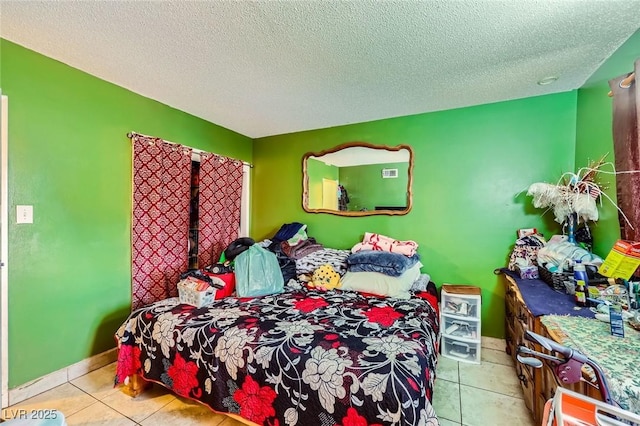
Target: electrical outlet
(24, 214)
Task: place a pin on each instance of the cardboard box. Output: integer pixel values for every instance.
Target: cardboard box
(622, 261)
(526, 232)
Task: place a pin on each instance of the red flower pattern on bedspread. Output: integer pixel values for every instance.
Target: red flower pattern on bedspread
(385, 316)
(255, 401)
(128, 362)
(310, 304)
(298, 358)
(183, 374)
(355, 419)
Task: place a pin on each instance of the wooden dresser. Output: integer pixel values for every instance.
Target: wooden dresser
(538, 384)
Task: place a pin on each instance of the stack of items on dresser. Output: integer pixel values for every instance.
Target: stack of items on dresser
(569, 268)
(560, 255)
(552, 261)
(524, 255)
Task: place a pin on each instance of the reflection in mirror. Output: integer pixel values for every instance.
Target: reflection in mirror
(358, 179)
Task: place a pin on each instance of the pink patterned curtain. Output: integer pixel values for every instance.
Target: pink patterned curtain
(626, 144)
(160, 223)
(219, 206)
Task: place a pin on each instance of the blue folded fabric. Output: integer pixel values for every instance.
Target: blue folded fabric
(287, 231)
(385, 262)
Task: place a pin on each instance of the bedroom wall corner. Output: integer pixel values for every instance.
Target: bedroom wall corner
(70, 158)
(593, 141)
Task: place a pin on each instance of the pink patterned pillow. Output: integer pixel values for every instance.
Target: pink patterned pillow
(373, 241)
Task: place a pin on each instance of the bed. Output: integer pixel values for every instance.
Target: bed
(302, 357)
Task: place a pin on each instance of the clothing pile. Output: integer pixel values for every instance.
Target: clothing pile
(559, 254)
(299, 254)
(377, 265)
(385, 266)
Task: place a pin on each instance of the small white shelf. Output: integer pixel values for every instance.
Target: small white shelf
(460, 311)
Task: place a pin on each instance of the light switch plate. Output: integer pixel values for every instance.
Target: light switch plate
(24, 214)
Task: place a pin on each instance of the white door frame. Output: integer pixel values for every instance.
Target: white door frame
(4, 252)
(245, 203)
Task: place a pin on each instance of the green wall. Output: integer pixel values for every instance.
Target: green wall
(471, 168)
(367, 188)
(69, 157)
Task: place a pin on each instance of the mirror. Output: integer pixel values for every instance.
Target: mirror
(358, 179)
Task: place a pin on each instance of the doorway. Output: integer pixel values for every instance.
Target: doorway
(329, 194)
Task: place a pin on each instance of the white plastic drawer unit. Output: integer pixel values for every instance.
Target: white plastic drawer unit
(460, 305)
(458, 328)
(460, 313)
(460, 350)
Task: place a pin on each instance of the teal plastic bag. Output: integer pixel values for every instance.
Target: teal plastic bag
(257, 273)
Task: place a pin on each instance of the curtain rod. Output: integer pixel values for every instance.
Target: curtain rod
(193, 150)
(625, 83)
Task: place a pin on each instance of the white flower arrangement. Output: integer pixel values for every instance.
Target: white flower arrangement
(575, 193)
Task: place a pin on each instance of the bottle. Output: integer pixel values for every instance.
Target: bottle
(571, 221)
(581, 280)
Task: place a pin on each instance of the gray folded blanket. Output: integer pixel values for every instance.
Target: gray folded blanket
(392, 264)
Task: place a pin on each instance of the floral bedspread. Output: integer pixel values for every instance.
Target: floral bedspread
(298, 358)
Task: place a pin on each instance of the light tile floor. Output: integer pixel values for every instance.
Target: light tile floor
(480, 394)
(465, 394)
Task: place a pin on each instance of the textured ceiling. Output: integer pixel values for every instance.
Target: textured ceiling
(273, 67)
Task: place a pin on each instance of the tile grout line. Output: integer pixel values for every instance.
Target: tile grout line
(459, 383)
(106, 405)
(115, 409)
(167, 403)
(489, 390)
(95, 400)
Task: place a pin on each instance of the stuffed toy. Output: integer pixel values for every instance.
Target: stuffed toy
(325, 278)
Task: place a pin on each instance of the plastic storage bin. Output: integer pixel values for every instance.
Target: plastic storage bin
(193, 297)
(461, 350)
(460, 324)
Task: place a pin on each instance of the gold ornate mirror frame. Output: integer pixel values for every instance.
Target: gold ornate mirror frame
(377, 210)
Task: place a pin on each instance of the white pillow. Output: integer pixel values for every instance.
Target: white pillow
(381, 284)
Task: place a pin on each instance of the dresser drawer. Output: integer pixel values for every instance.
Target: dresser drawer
(464, 328)
(527, 384)
(512, 344)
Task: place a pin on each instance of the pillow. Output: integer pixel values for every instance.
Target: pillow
(312, 261)
(381, 284)
(393, 264)
(373, 241)
(421, 283)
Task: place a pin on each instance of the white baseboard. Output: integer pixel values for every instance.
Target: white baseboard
(59, 377)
